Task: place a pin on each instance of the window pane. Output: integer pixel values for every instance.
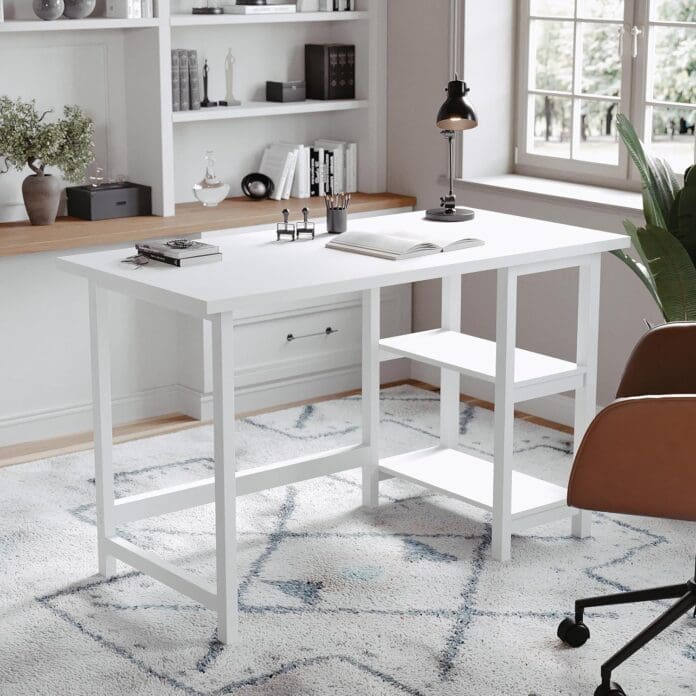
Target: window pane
(675, 65)
(598, 138)
(601, 9)
(601, 63)
(552, 8)
(552, 55)
(551, 126)
(674, 10)
(673, 136)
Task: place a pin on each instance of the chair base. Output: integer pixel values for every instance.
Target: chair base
(575, 634)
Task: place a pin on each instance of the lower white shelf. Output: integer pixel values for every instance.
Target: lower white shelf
(470, 479)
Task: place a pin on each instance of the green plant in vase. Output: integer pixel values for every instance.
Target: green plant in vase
(27, 138)
(666, 245)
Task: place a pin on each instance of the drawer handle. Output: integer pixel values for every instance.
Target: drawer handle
(326, 332)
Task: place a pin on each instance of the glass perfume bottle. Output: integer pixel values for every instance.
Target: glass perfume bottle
(210, 190)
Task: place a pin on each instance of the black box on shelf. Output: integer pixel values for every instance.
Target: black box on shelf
(291, 91)
(109, 201)
(330, 71)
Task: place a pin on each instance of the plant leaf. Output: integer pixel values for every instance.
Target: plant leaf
(642, 272)
(672, 271)
(660, 184)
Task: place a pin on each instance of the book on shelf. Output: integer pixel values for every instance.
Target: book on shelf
(147, 9)
(330, 71)
(194, 81)
(184, 80)
(124, 9)
(259, 9)
(401, 244)
(304, 171)
(176, 87)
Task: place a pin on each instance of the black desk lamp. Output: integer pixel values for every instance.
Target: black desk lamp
(455, 114)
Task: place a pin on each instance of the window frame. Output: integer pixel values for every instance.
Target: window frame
(526, 162)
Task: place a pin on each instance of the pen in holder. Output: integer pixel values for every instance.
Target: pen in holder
(337, 212)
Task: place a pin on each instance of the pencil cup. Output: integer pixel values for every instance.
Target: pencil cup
(336, 220)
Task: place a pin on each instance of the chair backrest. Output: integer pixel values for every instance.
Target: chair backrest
(663, 362)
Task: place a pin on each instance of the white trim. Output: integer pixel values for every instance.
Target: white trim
(610, 200)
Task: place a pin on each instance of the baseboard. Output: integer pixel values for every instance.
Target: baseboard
(77, 418)
(558, 408)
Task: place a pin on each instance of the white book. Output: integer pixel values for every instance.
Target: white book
(276, 164)
(292, 169)
(259, 9)
(401, 244)
(351, 168)
(300, 182)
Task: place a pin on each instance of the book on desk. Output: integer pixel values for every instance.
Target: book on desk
(400, 244)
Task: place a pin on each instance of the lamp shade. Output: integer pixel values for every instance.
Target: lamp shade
(456, 113)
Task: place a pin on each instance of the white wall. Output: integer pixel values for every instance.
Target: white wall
(418, 69)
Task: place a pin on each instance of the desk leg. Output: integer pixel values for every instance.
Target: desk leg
(506, 334)
(103, 433)
(370, 395)
(225, 481)
(449, 379)
(587, 339)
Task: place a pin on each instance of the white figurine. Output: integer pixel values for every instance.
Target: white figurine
(229, 79)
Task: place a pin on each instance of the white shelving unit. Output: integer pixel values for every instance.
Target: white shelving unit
(138, 129)
(262, 109)
(88, 24)
(188, 20)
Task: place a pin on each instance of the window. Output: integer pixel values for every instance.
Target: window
(584, 61)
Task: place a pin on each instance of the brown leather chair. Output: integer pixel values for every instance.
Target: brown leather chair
(636, 458)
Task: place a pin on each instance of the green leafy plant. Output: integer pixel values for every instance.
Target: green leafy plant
(28, 139)
(666, 245)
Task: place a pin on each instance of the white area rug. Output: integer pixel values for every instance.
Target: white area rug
(334, 600)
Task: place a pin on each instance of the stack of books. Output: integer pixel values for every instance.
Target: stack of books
(186, 86)
(180, 252)
(302, 171)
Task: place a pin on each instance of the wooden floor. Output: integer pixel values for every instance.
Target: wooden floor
(175, 422)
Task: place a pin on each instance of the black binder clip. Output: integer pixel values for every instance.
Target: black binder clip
(305, 227)
(285, 228)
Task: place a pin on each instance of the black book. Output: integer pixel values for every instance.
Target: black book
(314, 172)
(330, 71)
(330, 173)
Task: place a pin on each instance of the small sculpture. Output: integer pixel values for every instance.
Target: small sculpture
(210, 190)
(229, 79)
(206, 103)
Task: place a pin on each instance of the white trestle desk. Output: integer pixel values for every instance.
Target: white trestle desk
(258, 273)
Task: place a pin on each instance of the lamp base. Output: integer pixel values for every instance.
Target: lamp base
(449, 214)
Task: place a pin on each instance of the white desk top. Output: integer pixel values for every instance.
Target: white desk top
(257, 271)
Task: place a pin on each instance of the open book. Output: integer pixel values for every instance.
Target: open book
(400, 244)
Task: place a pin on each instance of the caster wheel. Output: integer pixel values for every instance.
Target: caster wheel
(612, 690)
(573, 634)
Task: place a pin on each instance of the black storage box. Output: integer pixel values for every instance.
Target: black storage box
(109, 201)
(293, 91)
(330, 71)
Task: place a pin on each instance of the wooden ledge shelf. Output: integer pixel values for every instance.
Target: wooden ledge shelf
(190, 219)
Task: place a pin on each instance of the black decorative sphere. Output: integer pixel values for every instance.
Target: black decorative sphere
(257, 186)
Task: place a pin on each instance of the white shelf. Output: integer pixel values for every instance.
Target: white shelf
(90, 23)
(535, 374)
(190, 20)
(470, 479)
(260, 109)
